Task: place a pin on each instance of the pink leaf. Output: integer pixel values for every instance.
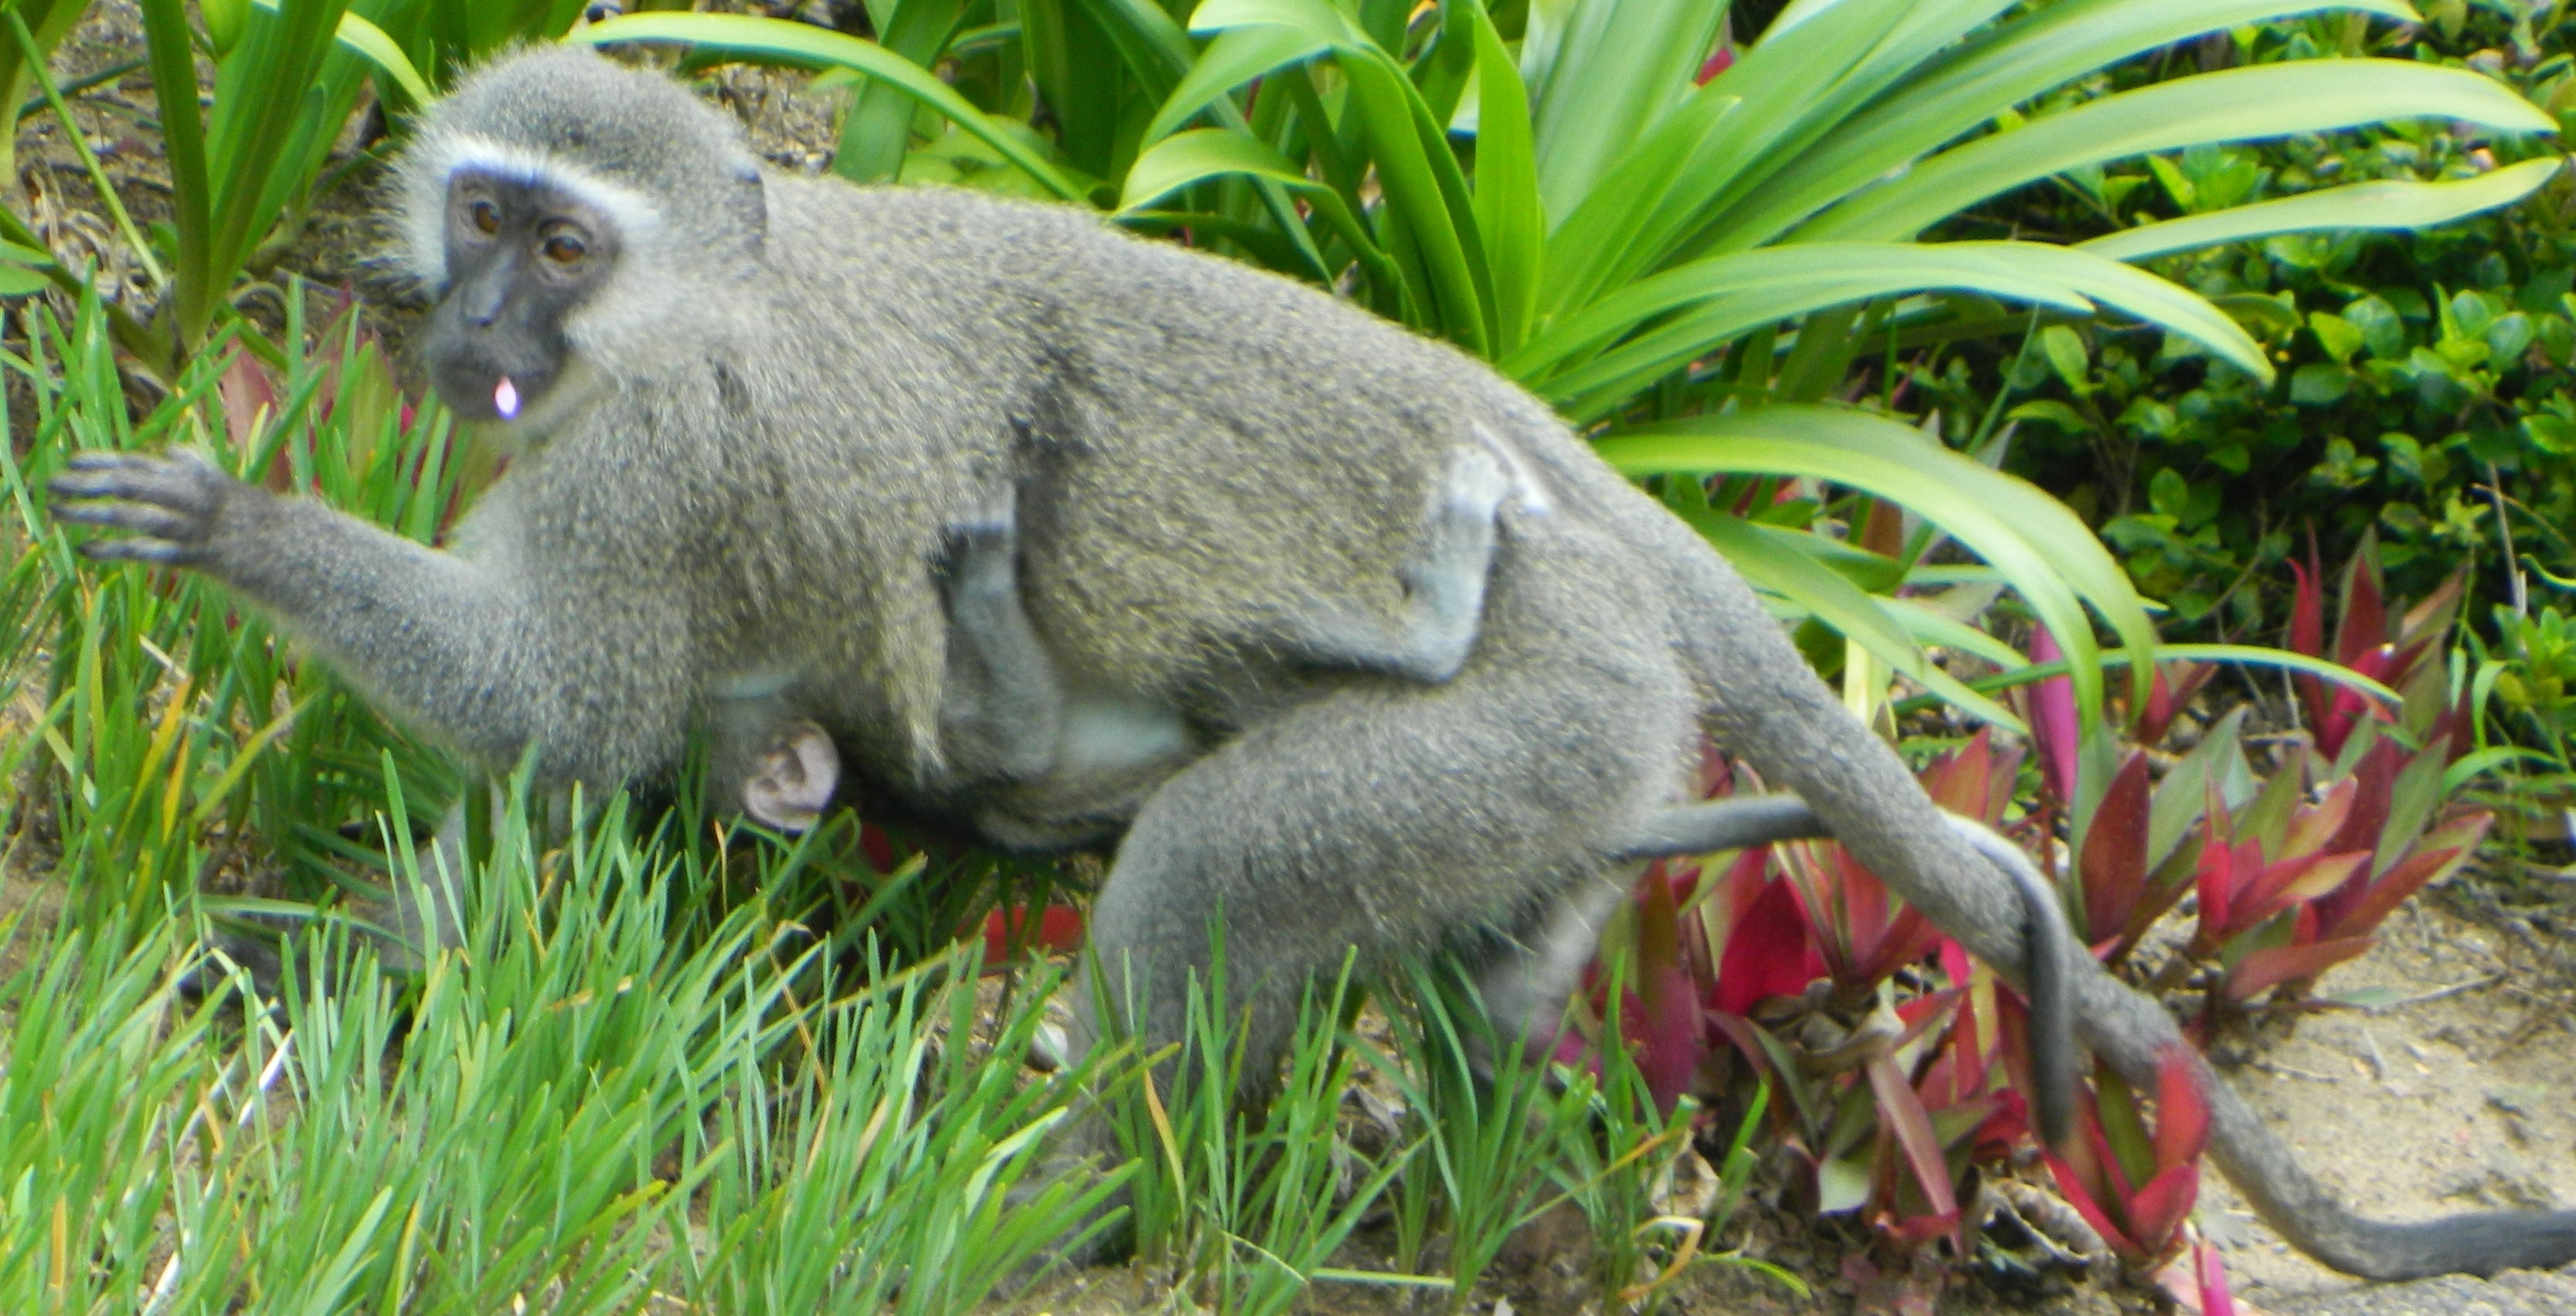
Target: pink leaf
(2394, 886)
(2157, 1212)
(2276, 887)
(2114, 864)
(2182, 1108)
(1962, 780)
(1770, 953)
(2376, 776)
(1668, 1040)
(2222, 868)
(2314, 825)
(2052, 718)
(2307, 633)
(1901, 1113)
(2175, 685)
(2364, 623)
(2072, 1186)
(2274, 965)
(2215, 1300)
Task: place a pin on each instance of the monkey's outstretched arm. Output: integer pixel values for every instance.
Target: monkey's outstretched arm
(1733, 824)
(468, 649)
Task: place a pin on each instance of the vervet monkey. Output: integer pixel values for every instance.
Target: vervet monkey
(751, 401)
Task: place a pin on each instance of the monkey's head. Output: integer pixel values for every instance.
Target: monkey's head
(562, 208)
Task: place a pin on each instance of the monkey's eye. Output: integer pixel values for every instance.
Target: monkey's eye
(563, 249)
(485, 217)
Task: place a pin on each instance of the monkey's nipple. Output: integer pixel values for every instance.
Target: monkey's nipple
(505, 398)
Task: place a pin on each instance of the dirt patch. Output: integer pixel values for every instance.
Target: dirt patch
(2461, 1097)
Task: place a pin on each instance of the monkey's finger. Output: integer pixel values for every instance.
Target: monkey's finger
(166, 487)
(158, 552)
(141, 518)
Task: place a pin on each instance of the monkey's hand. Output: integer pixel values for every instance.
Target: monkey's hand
(178, 506)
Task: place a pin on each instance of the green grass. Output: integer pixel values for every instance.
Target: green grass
(673, 1067)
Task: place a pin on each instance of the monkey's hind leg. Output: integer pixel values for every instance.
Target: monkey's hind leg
(1393, 817)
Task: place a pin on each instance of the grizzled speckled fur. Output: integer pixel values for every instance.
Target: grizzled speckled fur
(790, 386)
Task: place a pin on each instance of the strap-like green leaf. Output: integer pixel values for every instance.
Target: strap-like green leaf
(1952, 97)
(1184, 159)
(1508, 213)
(804, 43)
(1620, 68)
(1769, 562)
(2389, 204)
(1236, 57)
(2267, 100)
(378, 49)
(1738, 292)
(1316, 19)
(2041, 547)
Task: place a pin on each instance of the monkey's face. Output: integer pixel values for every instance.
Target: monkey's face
(521, 257)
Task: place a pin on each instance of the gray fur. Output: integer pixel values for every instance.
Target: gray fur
(797, 384)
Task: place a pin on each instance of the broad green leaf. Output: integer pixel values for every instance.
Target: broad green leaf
(1161, 55)
(1790, 84)
(2246, 104)
(1237, 56)
(172, 59)
(1075, 65)
(2390, 204)
(260, 94)
(1155, 47)
(1991, 513)
(740, 34)
(2017, 61)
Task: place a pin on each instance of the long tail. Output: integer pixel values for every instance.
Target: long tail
(1746, 820)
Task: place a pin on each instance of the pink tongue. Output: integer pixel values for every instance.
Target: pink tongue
(505, 398)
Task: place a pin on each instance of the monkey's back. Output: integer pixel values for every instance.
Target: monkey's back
(1196, 441)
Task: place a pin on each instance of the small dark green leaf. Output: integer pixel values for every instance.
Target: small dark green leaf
(2169, 493)
(2318, 384)
(2066, 355)
(2337, 335)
